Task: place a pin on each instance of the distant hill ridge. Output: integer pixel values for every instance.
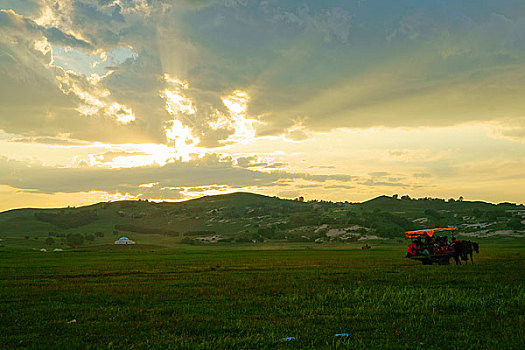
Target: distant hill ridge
(382, 202)
(249, 217)
(386, 202)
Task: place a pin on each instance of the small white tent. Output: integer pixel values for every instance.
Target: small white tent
(124, 240)
(43, 250)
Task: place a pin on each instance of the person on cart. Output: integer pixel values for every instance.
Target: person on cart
(413, 249)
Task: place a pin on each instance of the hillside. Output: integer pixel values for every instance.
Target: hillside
(252, 218)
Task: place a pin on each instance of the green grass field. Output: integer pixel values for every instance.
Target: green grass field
(235, 297)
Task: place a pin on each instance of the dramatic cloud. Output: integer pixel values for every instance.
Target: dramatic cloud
(299, 68)
(10, 21)
(261, 82)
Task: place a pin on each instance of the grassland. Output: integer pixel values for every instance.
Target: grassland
(241, 297)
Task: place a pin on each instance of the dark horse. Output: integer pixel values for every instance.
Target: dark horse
(462, 249)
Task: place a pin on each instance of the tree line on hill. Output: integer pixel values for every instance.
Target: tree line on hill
(69, 219)
(151, 230)
(73, 239)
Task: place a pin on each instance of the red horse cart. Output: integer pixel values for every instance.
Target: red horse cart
(428, 247)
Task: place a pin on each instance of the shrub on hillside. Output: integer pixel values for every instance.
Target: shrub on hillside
(140, 229)
(298, 238)
(244, 240)
(271, 232)
(187, 240)
(386, 224)
(515, 224)
(74, 239)
(68, 219)
(199, 233)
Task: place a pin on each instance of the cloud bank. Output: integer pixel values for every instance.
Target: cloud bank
(211, 79)
(321, 66)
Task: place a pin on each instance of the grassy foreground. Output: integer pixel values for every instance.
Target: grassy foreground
(234, 298)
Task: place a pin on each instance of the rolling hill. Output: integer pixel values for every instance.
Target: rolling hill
(252, 218)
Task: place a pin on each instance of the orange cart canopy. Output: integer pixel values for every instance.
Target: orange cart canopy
(427, 232)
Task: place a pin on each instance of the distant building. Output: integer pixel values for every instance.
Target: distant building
(58, 250)
(43, 250)
(124, 240)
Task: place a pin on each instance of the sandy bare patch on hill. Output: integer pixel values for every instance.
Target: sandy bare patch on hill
(477, 225)
(487, 233)
(420, 220)
(347, 231)
(367, 237)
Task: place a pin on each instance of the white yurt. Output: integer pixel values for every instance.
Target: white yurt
(124, 240)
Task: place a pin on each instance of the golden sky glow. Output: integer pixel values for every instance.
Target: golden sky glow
(337, 100)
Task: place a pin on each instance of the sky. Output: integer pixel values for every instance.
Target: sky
(340, 100)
